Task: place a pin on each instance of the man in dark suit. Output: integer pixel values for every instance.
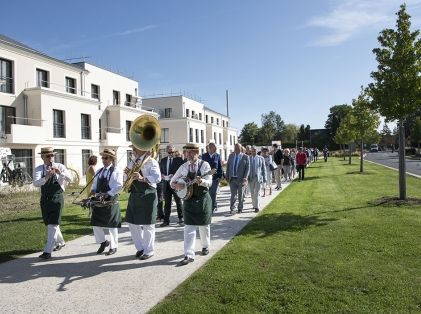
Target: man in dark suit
(168, 166)
(214, 160)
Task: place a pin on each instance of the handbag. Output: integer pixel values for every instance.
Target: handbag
(273, 166)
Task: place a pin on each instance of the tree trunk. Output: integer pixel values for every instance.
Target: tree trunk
(350, 152)
(343, 151)
(402, 166)
(362, 156)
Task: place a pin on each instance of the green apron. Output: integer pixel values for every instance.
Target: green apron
(52, 202)
(198, 209)
(142, 205)
(108, 216)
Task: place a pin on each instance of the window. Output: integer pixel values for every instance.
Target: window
(165, 135)
(212, 120)
(128, 126)
(202, 138)
(220, 138)
(42, 78)
(192, 114)
(85, 123)
(116, 97)
(128, 100)
(7, 118)
(226, 124)
(214, 137)
(86, 153)
(6, 76)
(59, 157)
(135, 91)
(167, 113)
(206, 118)
(58, 123)
(200, 116)
(230, 139)
(187, 113)
(233, 139)
(70, 85)
(94, 91)
(197, 135)
(223, 123)
(24, 155)
(191, 135)
(100, 129)
(217, 121)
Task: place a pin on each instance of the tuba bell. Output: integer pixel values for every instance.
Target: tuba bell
(145, 134)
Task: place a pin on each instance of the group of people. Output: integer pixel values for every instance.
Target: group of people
(153, 185)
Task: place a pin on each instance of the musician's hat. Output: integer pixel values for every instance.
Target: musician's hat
(108, 152)
(47, 151)
(191, 146)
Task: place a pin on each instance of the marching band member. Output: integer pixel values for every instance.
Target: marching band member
(197, 209)
(109, 181)
(143, 200)
(52, 178)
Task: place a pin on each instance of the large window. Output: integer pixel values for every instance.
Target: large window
(58, 123)
(116, 97)
(86, 153)
(187, 113)
(191, 135)
(42, 78)
(6, 76)
(167, 113)
(212, 120)
(7, 118)
(94, 91)
(220, 138)
(202, 138)
(206, 118)
(200, 116)
(70, 85)
(59, 157)
(197, 135)
(85, 122)
(217, 121)
(128, 100)
(165, 135)
(128, 126)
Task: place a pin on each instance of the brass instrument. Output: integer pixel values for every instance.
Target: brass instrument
(145, 134)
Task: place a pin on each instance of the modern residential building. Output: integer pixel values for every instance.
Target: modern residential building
(185, 120)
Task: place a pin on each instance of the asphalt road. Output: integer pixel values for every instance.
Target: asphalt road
(392, 160)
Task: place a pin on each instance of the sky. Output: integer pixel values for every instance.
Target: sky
(297, 58)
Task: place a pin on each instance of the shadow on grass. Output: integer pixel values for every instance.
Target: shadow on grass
(362, 173)
(312, 178)
(21, 219)
(269, 224)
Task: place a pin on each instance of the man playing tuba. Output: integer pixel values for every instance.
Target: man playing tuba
(142, 206)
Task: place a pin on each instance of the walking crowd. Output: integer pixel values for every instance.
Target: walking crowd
(189, 180)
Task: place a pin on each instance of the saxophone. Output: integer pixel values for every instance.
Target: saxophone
(129, 173)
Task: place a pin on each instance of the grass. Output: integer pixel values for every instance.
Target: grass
(323, 245)
(22, 230)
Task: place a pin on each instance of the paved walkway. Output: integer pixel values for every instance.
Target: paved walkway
(78, 280)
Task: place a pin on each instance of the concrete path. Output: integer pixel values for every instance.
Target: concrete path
(78, 280)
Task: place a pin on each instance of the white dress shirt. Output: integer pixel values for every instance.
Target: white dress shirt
(184, 170)
(150, 170)
(41, 171)
(115, 183)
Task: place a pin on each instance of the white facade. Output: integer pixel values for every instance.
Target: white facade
(47, 102)
(184, 120)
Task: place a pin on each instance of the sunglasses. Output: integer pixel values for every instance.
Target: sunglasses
(170, 152)
(48, 156)
(104, 157)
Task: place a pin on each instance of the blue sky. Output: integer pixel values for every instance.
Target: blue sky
(297, 58)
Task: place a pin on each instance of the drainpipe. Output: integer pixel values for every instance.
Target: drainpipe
(25, 109)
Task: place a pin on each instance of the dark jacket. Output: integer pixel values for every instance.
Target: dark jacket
(278, 156)
(176, 163)
(215, 163)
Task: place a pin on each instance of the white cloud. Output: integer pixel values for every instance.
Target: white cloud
(352, 17)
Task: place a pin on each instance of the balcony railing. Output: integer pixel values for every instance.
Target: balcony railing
(6, 84)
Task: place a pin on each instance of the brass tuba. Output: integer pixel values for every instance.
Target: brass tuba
(145, 134)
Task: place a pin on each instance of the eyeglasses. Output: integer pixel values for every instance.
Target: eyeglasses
(48, 156)
(104, 157)
(170, 152)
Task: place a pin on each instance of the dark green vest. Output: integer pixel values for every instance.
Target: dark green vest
(52, 202)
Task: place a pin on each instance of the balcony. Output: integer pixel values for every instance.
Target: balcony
(113, 137)
(26, 134)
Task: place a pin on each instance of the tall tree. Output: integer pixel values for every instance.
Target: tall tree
(396, 90)
(248, 134)
(302, 133)
(344, 136)
(337, 113)
(272, 126)
(307, 131)
(386, 130)
(289, 134)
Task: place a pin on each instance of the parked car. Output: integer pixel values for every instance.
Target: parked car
(374, 148)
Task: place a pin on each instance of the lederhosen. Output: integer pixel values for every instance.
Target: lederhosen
(108, 216)
(52, 201)
(198, 209)
(142, 206)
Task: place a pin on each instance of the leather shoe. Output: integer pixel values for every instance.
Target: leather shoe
(239, 211)
(164, 224)
(143, 257)
(58, 247)
(256, 210)
(102, 247)
(205, 251)
(180, 221)
(45, 255)
(139, 253)
(232, 212)
(111, 251)
(186, 260)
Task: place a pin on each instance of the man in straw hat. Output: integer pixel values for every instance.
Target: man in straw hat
(198, 208)
(52, 178)
(143, 201)
(108, 181)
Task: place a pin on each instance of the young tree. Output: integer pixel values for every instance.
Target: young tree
(302, 133)
(396, 90)
(337, 113)
(344, 136)
(249, 133)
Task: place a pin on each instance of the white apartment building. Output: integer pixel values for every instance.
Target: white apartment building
(79, 109)
(185, 120)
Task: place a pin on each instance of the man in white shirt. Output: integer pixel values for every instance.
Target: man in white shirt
(52, 178)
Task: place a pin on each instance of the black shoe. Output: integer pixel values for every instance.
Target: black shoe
(139, 253)
(164, 224)
(180, 221)
(186, 261)
(102, 247)
(256, 210)
(205, 251)
(58, 247)
(232, 212)
(239, 211)
(45, 255)
(111, 251)
(143, 257)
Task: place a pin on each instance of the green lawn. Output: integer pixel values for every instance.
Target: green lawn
(322, 246)
(22, 230)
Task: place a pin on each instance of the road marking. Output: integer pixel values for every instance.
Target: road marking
(408, 173)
